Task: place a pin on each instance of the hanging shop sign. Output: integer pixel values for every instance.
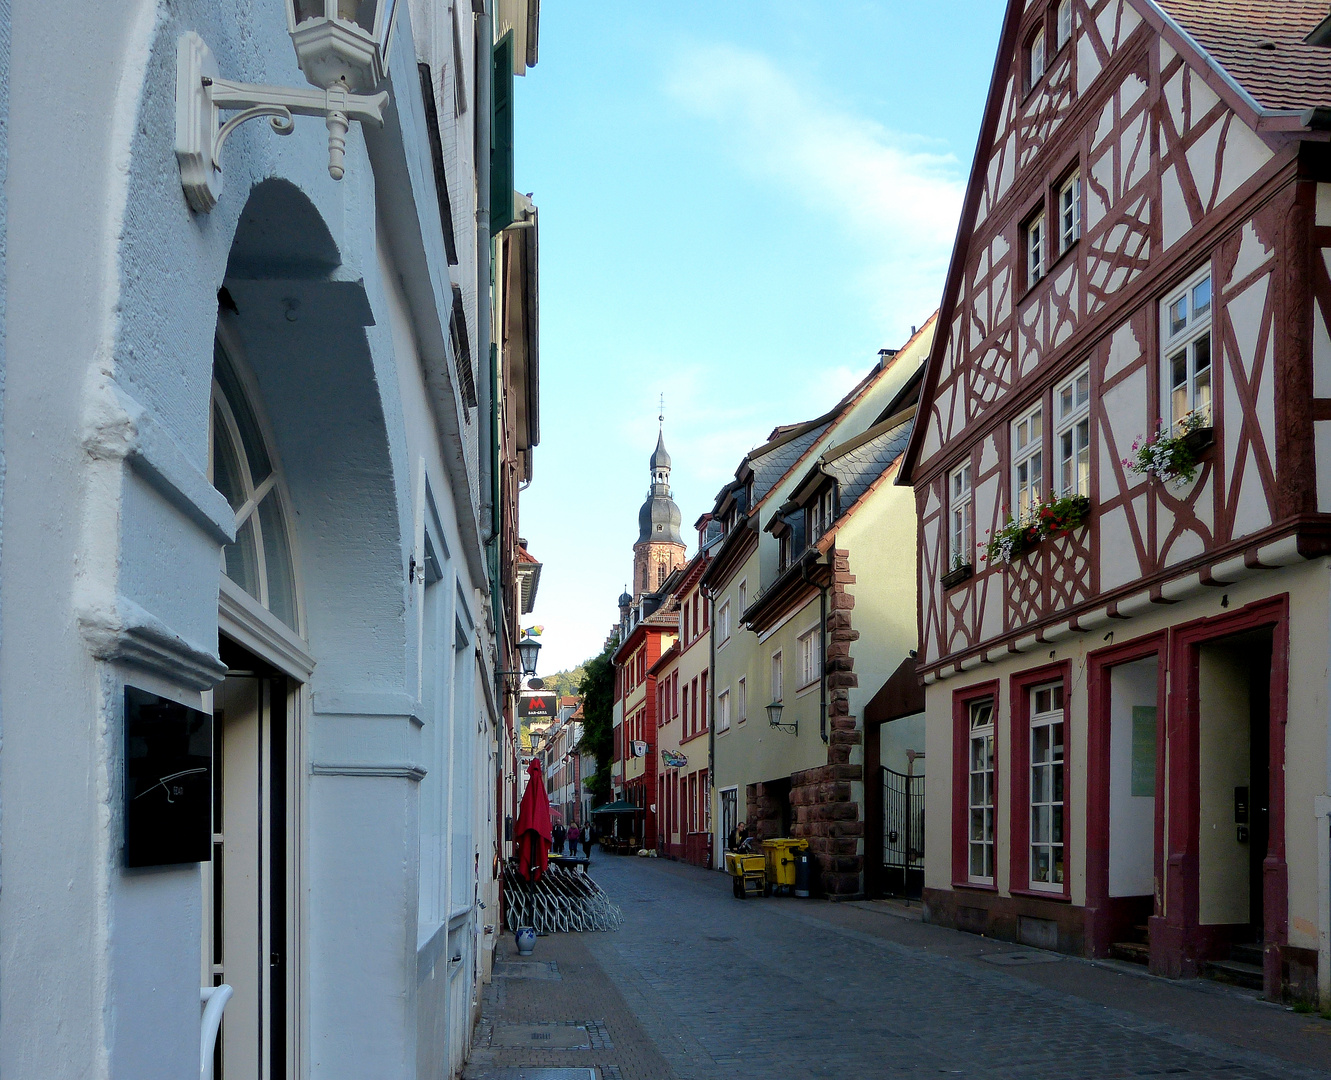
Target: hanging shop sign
(673, 759)
(536, 707)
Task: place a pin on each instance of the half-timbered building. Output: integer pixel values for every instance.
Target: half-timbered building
(1122, 467)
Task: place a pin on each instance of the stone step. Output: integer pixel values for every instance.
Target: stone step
(1233, 971)
(1246, 954)
(1134, 952)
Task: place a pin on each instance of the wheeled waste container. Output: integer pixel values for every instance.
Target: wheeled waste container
(781, 854)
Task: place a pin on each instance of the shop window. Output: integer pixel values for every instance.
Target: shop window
(1047, 864)
(980, 837)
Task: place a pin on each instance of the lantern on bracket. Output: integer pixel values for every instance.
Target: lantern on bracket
(342, 48)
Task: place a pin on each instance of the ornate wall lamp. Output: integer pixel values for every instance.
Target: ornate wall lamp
(528, 649)
(341, 46)
(774, 719)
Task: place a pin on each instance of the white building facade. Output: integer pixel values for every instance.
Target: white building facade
(293, 387)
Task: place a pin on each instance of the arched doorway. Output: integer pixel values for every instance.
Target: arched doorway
(248, 888)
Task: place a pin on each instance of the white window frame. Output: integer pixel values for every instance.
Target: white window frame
(1063, 25)
(742, 592)
(1028, 462)
(1048, 790)
(961, 516)
(723, 711)
(1069, 211)
(723, 624)
(1035, 237)
(1072, 433)
(811, 668)
(1037, 62)
(1187, 338)
(741, 700)
(981, 804)
(777, 682)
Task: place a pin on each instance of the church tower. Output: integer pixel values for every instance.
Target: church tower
(660, 548)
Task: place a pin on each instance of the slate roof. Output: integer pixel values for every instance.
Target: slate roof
(858, 463)
(770, 466)
(1260, 44)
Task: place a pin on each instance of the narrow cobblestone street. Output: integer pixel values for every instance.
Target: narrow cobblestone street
(698, 986)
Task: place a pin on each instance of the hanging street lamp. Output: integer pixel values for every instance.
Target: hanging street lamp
(342, 48)
(528, 648)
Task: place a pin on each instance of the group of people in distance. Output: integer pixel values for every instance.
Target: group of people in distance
(575, 834)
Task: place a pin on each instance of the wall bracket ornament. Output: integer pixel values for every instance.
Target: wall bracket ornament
(201, 96)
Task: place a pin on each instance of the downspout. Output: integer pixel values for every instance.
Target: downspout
(711, 727)
(822, 645)
(484, 262)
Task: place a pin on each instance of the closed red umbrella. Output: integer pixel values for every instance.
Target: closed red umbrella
(533, 827)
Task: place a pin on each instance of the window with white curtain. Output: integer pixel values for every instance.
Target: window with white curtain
(1027, 462)
(1072, 435)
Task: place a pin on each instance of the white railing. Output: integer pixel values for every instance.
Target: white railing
(213, 999)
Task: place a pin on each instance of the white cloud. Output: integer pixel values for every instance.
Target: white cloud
(895, 200)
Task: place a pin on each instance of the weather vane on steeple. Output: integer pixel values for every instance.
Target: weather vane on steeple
(661, 417)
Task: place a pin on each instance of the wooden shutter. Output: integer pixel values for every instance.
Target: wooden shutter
(501, 137)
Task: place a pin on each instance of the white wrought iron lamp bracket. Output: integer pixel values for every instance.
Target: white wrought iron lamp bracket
(201, 96)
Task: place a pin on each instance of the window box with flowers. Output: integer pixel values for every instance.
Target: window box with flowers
(1172, 457)
(1058, 517)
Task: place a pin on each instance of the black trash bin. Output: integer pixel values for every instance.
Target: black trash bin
(803, 866)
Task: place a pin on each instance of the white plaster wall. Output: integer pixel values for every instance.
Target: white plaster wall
(117, 308)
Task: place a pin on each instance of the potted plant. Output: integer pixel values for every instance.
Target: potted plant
(1172, 458)
(961, 570)
(1013, 540)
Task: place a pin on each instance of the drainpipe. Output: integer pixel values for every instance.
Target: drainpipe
(487, 391)
(711, 712)
(822, 644)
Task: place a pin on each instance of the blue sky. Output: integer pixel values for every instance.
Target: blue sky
(741, 203)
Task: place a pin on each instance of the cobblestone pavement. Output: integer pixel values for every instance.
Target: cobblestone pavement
(700, 986)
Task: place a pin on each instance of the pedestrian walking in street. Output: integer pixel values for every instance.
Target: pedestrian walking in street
(557, 838)
(573, 836)
(589, 835)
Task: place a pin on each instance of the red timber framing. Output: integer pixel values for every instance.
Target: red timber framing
(1019, 697)
(1178, 172)
(1179, 943)
(961, 704)
(1109, 918)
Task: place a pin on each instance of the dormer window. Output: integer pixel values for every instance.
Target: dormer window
(783, 551)
(1035, 59)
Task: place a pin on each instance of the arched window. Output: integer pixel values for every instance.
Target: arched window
(242, 470)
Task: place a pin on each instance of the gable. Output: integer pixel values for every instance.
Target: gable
(1127, 82)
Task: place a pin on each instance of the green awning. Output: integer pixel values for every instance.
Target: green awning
(620, 806)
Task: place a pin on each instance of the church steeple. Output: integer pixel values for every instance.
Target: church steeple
(660, 548)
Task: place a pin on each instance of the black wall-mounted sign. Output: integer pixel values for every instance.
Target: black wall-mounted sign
(536, 707)
(168, 781)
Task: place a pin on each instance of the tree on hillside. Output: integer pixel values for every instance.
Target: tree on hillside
(566, 683)
(598, 738)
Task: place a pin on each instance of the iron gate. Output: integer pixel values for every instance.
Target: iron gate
(903, 832)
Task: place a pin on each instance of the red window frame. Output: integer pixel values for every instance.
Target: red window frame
(1020, 686)
(961, 703)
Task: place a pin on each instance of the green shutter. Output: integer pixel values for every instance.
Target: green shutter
(501, 137)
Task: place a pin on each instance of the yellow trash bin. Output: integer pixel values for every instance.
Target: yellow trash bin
(781, 862)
